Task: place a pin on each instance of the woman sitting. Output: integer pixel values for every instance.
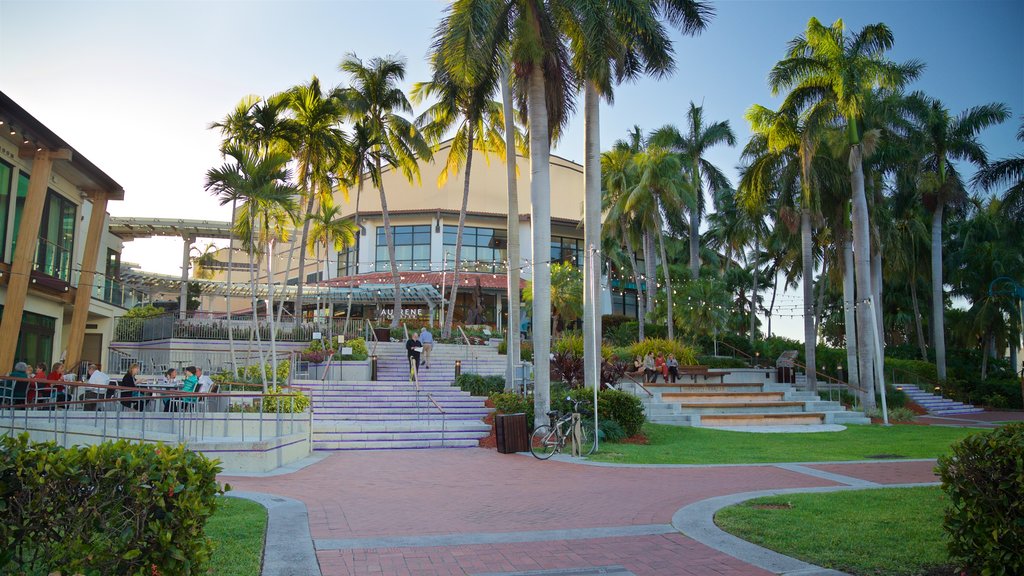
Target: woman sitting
(128, 381)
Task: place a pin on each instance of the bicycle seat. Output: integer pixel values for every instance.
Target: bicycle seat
(553, 413)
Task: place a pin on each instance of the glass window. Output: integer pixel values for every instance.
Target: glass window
(19, 207)
(348, 260)
(5, 204)
(566, 250)
(483, 249)
(56, 237)
(625, 303)
(412, 248)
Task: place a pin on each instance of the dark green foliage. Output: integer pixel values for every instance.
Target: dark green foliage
(984, 479)
(613, 371)
(623, 408)
(893, 398)
(567, 367)
(610, 430)
(611, 322)
(721, 362)
(626, 333)
(112, 508)
(478, 385)
(512, 403)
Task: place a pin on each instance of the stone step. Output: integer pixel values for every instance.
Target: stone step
(403, 435)
(706, 388)
(407, 416)
(761, 419)
(397, 426)
(741, 408)
(721, 396)
(395, 444)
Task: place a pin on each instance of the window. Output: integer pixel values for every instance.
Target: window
(35, 338)
(314, 277)
(566, 250)
(112, 289)
(483, 249)
(348, 260)
(56, 237)
(412, 248)
(624, 303)
(19, 207)
(5, 203)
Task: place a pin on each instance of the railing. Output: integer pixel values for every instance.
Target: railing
(371, 336)
(116, 293)
(53, 260)
(206, 326)
(110, 418)
(469, 350)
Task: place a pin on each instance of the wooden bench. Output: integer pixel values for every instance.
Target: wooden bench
(702, 371)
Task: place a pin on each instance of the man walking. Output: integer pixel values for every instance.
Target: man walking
(427, 340)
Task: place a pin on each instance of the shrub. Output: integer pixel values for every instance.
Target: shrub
(478, 385)
(984, 481)
(299, 402)
(612, 371)
(147, 311)
(252, 373)
(359, 350)
(722, 362)
(610, 431)
(893, 398)
(623, 408)
(684, 354)
(512, 403)
(572, 343)
(111, 508)
(895, 414)
(568, 368)
(626, 333)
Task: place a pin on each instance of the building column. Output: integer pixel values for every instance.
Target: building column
(185, 253)
(25, 252)
(83, 296)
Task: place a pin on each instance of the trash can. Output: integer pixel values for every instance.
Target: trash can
(510, 433)
(382, 334)
(785, 375)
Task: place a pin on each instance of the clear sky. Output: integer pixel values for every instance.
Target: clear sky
(134, 84)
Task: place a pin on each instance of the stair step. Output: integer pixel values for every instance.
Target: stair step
(761, 419)
(395, 444)
(691, 397)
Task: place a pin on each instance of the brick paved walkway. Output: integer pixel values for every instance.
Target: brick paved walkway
(469, 495)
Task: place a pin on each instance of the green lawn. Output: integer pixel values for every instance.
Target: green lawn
(237, 530)
(892, 531)
(687, 445)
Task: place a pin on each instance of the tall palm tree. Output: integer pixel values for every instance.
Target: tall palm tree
(261, 182)
(826, 68)
(694, 146)
(618, 171)
(528, 32)
(512, 225)
(375, 100)
(1007, 172)
(612, 43)
(329, 230)
(317, 144)
(479, 125)
(945, 139)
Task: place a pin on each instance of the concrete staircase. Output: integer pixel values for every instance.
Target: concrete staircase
(747, 403)
(393, 364)
(935, 404)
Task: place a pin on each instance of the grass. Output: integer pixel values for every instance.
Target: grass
(237, 530)
(688, 445)
(892, 531)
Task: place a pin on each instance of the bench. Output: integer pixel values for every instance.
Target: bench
(702, 371)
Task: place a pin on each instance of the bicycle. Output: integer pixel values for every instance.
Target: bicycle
(549, 439)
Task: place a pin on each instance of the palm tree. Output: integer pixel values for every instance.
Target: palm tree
(328, 229)
(375, 100)
(618, 171)
(261, 183)
(612, 43)
(528, 32)
(1007, 172)
(317, 144)
(694, 146)
(827, 69)
(945, 139)
(479, 124)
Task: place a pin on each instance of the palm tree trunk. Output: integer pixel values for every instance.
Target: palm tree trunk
(917, 320)
(849, 317)
(753, 291)
(698, 189)
(446, 331)
(651, 270)
(640, 300)
(985, 342)
(771, 307)
(512, 252)
(540, 222)
(810, 336)
(862, 268)
(297, 313)
(876, 289)
(592, 236)
(389, 238)
(938, 302)
(270, 317)
(668, 285)
(255, 303)
(819, 306)
(227, 300)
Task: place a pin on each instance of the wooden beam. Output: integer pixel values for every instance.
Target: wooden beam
(83, 297)
(24, 254)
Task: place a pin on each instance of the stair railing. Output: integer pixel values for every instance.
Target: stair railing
(371, 335)
(444, 416)
(469, 356)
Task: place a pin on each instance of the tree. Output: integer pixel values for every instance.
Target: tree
(328, 229)
(827, 69)
(694, 145)
(317, 144)
(945, 139)
(262, 183)
(375, 101)
(618, 173)
(479, 124)
(1008, 172)
(566, 295)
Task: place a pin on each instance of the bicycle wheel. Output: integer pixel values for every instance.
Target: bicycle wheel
(544, 442)
(586, 437)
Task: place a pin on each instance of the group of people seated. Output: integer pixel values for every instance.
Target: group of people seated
(25, 391)
(651, 366)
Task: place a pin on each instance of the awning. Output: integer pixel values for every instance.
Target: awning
(134, 228)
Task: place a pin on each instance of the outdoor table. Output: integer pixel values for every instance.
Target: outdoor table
(158, 385)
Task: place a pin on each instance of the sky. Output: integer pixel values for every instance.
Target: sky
(133, 85)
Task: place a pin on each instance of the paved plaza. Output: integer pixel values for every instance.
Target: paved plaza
(475, 511)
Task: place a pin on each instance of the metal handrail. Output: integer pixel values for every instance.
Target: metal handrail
(370, 334)
(468, 346)
(436, 405)
(637, 383)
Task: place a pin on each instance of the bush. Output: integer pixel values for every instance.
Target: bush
(525, 350)
(147, 311)
(722, 362)
(111, 508)
(251, 374)
(359, 350)
(895, 414)
(893, 398)
(478, 385)
(568, 368)
(626, 333)
(512, 403)
(572, 343)
(623, 408)
(984, 480)
(299, 402)
(610, 431)
(684, 354)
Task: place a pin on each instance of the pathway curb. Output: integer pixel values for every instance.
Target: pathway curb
(697, 521)
(288, 550)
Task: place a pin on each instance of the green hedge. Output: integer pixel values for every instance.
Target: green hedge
(984, 480)
(478, 385)
(612, 405)
(111, 508)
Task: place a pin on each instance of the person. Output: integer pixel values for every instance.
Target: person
(427, 339)
(96, 377)
(649, 373)
(659, 367)
(36, 390)
(20, 386)
(40, 371)
(190, 384)
(413, 347)
(168, 380)
(205, 382)
(673, 368)
(57, 373)
(638, 366)
(128, 381)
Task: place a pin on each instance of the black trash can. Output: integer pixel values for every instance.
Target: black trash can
(786, 375)
(510, 433)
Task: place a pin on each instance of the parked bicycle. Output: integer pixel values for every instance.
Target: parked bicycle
(550, 439)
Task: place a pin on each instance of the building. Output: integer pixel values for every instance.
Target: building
(424, 218)
(59, 263)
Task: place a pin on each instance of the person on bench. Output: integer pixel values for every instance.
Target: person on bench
(673, 368)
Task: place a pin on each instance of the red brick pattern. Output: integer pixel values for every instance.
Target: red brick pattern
(891, 472)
